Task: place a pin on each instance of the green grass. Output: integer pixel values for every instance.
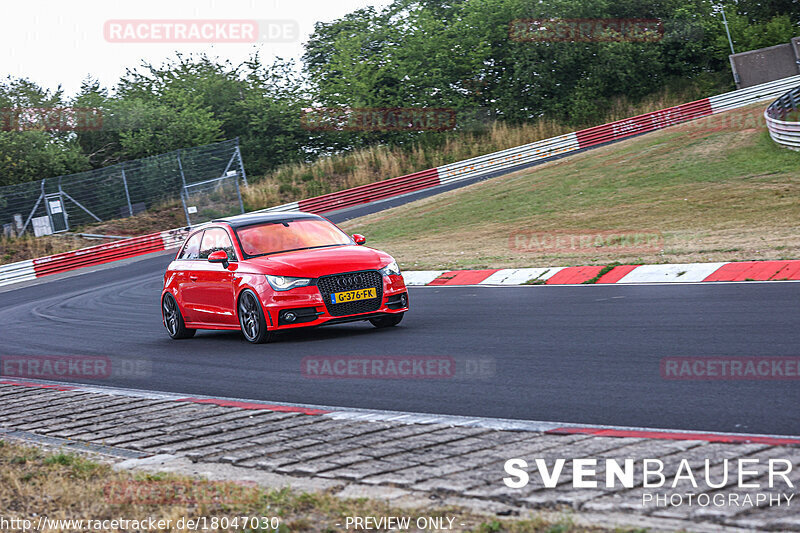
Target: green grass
(713, 191)
(62, 485)
(603, 271)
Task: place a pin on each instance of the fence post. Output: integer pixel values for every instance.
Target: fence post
(184, 192)
(185, 209)
(180, 167)
(239, 194)
(35, 206)
(63, 203)
(241, 165)
(127, 194)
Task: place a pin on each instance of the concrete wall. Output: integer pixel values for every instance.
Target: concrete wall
(766, 64)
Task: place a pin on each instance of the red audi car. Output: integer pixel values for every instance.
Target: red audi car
(267, 272)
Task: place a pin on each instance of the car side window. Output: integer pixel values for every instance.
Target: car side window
(191, 250)
(215, 239)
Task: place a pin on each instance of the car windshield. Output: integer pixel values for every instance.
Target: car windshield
(289, 235)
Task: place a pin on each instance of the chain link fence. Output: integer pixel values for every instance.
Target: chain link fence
(214, 198)
(205, 178)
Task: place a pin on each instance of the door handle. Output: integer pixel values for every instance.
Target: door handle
(192, 278)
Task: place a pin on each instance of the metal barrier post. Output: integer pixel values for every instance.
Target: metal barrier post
(239, 194)
(241, 163)
(36, 205)
(180, 168)
(76, 202)
(127, 194)
(184, 191)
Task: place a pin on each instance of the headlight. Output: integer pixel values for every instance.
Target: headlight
(391, 269)
(284, 283)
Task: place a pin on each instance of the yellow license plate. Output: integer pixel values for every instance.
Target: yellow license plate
(351, 296)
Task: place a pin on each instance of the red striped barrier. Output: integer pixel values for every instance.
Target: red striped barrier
(790, 271)
(371, 192)
(463, 277)
(34, 385)
(574, 275)
(97, 255)
(675, 435)
(616, 274)
(755, 270)
(643, 123)
(255, 406)
(665, 273)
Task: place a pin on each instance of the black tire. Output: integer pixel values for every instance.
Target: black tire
(387, 321)
(251, 318)
(173, 319)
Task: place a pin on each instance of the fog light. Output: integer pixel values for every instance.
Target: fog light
(289, 317)
(404, 300)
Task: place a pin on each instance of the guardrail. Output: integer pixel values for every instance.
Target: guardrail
(475, 168)
(784, 132)
(17, 272)
(91, 256)
(540, 151)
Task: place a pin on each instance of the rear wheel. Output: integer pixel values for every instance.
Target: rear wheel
(173, 319)
(251, 318)
(387, 321)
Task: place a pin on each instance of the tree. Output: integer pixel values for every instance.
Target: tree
(31, 148)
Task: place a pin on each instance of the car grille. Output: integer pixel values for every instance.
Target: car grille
(349, 282)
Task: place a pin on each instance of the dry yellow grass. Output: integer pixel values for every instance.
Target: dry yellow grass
(61, 486)
(28, 246)
(166, 216)
(328, 174)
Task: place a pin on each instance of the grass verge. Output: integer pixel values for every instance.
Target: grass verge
(62, 486)
(341, 171)
(166, 216)
(714, 189)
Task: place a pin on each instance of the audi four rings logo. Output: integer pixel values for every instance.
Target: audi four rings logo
(350, 280)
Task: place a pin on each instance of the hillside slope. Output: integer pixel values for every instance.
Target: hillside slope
(292, 182)
(715, 189)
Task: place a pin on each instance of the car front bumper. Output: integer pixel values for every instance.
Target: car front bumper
(305, 307)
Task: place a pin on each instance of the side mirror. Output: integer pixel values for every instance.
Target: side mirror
(359, 239)
(220, 256)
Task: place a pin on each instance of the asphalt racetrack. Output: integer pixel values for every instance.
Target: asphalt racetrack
(579, 354)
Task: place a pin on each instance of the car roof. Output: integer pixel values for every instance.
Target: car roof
(248, 219)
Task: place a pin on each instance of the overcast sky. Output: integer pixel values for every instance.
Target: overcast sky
(56, 42)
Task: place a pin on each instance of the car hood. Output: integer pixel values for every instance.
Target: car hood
(321, 261)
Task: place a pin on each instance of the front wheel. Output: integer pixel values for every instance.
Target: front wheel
(251, 318)
(387, 321)
(173, 319)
